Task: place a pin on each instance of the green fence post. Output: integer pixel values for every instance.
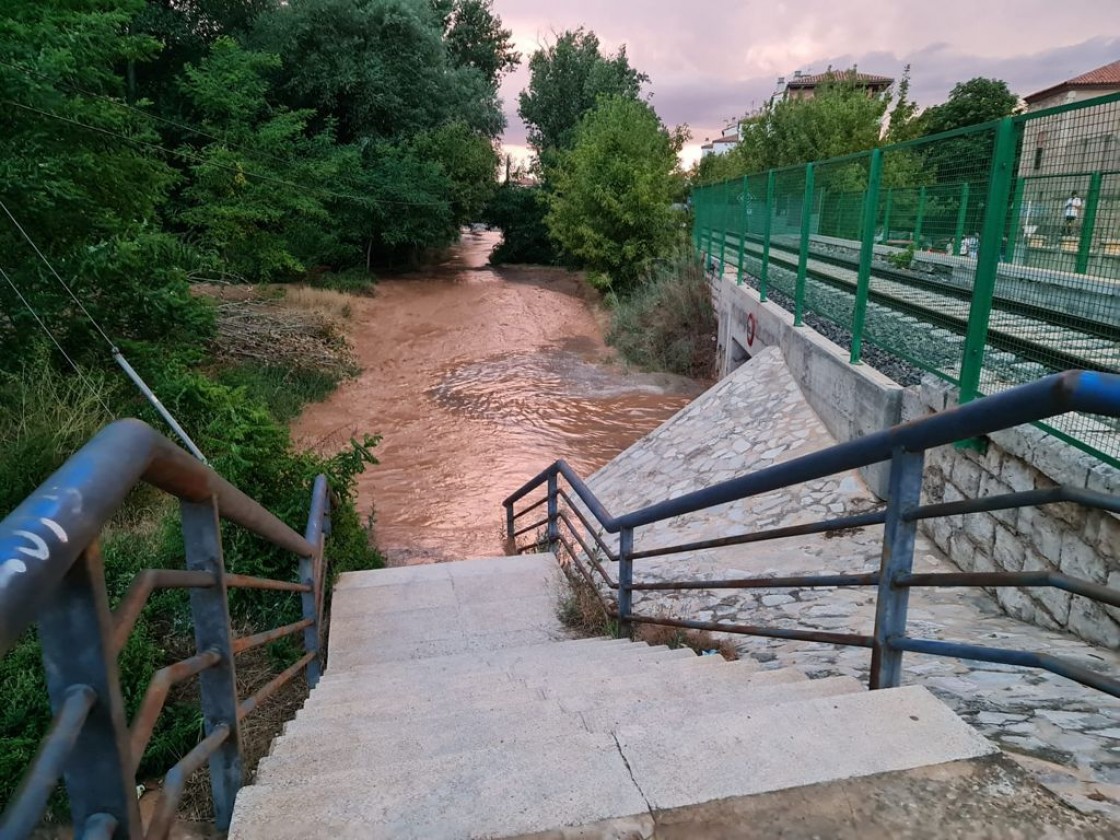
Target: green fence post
(866, 252)
(722, 226)
(803, 256)
(744, 203)
(1016, 215)
(987, 261)
(764, 272)
(917, 238)
(961, 213)
(1088, 222)
(887, 216)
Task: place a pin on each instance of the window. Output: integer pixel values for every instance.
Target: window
(1038, 158)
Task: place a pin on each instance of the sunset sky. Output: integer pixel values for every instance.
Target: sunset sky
(712, 60)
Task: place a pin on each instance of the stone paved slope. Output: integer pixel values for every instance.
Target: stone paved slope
(451, 709)
(756, 417)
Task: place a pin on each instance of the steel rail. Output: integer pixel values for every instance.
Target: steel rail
(143, 585)
(144, 721)
(850, 639)
(41, 539)
(244, 643)
(250, 704)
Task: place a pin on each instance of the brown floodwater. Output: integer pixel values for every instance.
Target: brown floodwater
(477, 378)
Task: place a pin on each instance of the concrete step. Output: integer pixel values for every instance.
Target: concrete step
(445, 733)
(435, 686)
(795, 743)
(671, 678)
(460, 570)
(487, 793)
(536, 785)
(522, 661)
(783, 686)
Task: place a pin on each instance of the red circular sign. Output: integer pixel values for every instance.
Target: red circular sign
(751, 327)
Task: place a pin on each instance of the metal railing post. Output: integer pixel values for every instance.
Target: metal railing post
(1016, 218)
(803, 255)
(217, 685)
(625, 580)
(744, 205)
(767, 227)
(509, 522)
(987, 260)
(1088, 222)
(905, 492)
(76, 632)
(866, 253)
(917, 239)
(553, 510)
(962, 212)
(887, 214)
(723, 227)
(311, 573)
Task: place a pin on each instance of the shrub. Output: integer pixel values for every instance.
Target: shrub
(667, 322)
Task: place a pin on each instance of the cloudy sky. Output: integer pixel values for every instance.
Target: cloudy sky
(711, 60)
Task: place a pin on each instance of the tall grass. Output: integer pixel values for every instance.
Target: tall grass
(667, 322)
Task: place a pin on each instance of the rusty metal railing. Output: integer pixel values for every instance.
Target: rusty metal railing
(904, 446)
(52, 577)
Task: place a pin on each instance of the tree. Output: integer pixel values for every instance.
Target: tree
(378, 68)
(610, 205)
(475, 37)
(566, 81)
(468, 160)
(978, 100)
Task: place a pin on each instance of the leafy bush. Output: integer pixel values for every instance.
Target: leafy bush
(667, 323)
(519, 213)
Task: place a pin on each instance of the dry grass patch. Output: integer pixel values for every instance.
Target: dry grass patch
(326, 303)
(678, 637)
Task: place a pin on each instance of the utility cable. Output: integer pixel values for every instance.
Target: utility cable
(114, 351)
(55, 341)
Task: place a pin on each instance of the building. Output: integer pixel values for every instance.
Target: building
(723, 144)
(802, 86)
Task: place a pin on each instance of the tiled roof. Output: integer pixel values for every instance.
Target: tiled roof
(1106, 76)
(838, 75)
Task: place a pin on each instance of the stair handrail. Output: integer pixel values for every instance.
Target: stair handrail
(52, 576)
(904, 446)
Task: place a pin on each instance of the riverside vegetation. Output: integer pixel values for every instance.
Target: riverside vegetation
(147, 147)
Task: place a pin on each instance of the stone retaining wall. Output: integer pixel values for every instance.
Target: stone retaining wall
(853, 400)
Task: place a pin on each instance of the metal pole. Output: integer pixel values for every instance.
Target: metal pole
(987, 261)
(744, 206)
(218, 685)
(119, 358)
(962, 211)
(866, 253)
(904, 495)
(1016, 216)
(625, 580)
(803, 256)
(767, 226)
(1088, 222)
(75, 632)
(312, 572)
(553, 511)
(921, 218)
(887, 215)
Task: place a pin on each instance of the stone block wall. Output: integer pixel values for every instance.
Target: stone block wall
(1065, 537)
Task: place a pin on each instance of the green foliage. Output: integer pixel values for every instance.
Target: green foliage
(904, 258)
(283, 390)
(978, 100)
(475, 37)
(468, 161)
(378, 68)
(520, 214)
(668, 323)
(610, 205)
(566, 81)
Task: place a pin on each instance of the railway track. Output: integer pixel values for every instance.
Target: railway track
(1024, 331)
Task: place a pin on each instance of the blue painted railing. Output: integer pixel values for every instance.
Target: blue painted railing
(52, 577)
(578, 532)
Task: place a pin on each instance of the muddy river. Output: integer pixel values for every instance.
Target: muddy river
(477, 378)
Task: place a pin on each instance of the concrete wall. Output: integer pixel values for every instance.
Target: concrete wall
(854, 400)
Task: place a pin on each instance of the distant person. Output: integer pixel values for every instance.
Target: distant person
(1071, 210)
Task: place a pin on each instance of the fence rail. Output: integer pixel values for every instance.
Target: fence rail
(988, 256)
(904, 446)
(52, 577)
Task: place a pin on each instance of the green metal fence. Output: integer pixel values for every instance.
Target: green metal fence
(988, 256)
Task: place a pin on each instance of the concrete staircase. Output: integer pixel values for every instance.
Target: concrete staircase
(455, 706)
